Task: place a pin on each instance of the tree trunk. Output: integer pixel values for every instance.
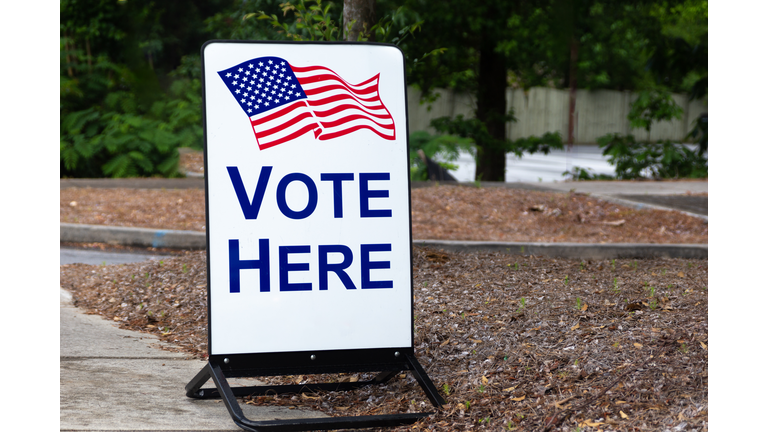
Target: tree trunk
(363, 13)
(572, 92)
(491, 110)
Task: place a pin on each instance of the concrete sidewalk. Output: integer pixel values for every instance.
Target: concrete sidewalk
(116, 380)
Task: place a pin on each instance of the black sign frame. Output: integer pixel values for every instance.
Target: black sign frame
(387, 361)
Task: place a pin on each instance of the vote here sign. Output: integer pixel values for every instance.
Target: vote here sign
(308, 208)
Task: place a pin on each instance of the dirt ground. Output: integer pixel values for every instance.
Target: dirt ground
(512, 342)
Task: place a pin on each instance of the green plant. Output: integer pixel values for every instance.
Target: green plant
(662, 159)
(184, 268)
(447, 389)
(442, 149)
(684, 348)
(481, 389)
(578, 303)
(522, 304)
(579, 173)
(613, 264)
(565, 280)
(616, 285)
(652, 304)
(466, 405)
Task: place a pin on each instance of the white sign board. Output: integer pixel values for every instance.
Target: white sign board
(308, 209)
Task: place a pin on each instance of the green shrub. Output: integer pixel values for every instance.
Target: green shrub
(119, 140)
(662, 159)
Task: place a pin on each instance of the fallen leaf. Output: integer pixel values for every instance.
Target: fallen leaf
(591, 423)
(518, 399)
(304, 396)
(703, 345)
(584, 307)
(484, 379)
(637, 345)
(445, 342)
(509, 389)
(575, 327)
(619, 402)
(559, 404)
(619, 222)
(476, 340)
(681, 274)
(624, 416)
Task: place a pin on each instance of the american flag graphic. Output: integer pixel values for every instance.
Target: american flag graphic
(284, 102)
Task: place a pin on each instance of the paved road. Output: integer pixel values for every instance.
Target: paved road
(540, 167)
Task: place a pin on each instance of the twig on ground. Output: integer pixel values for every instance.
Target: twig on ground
(551, 423)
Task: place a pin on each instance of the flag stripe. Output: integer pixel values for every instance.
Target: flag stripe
(273, 128)
(271, 115)
(348, 118)
(321, 105)
(290, 121)
(311, 71)
(339, 108)
(330, 135)
(286, 138)
(358, 95)
(342, 107)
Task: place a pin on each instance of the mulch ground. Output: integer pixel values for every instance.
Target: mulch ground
(512, 342)
(438, 213)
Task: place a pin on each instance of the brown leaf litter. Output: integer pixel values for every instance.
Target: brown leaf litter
(438, 213)
(512, 342)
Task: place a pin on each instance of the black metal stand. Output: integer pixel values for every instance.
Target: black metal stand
(223, 390)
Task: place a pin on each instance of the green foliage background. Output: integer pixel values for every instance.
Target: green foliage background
(130, 71)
